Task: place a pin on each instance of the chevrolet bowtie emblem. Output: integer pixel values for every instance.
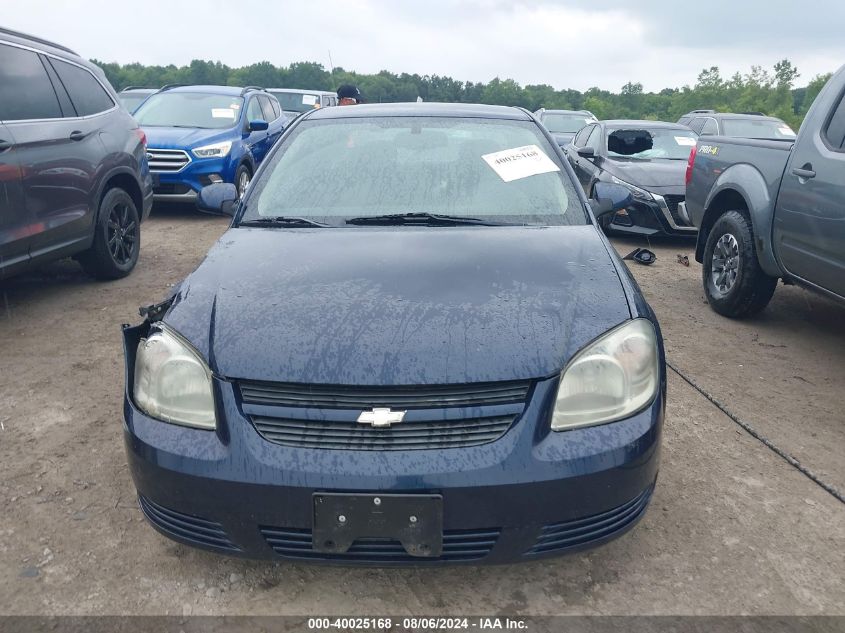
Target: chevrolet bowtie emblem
(380, 418)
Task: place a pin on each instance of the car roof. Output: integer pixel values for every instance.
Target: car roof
(623, 123)
(36, 42)
(580, 112)
(737, 115)
(425, 109)
(234, 91)
(300, 90)
(141, 89)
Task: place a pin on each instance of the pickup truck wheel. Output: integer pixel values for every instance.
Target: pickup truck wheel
(117, 238)
(734, 283)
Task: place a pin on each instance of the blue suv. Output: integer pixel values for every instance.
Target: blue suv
(200, 135)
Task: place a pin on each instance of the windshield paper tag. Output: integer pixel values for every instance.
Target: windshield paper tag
(520, 162)
(685, 140)
(222, 113)
(786, 131)
(309, 100)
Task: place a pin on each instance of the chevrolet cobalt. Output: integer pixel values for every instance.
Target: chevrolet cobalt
(413, 346)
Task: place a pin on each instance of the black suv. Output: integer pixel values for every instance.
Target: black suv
(74, 179)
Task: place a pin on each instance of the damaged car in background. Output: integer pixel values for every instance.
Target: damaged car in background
(413, 346)
(649, 158)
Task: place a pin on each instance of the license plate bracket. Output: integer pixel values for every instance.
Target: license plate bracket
(416, 521)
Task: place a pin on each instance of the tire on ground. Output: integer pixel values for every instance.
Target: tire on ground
(753, 289)
(242, 168)
(117, 238)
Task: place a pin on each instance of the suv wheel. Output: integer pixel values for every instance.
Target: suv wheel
(117, 238)
(734, 283)
(242, 179)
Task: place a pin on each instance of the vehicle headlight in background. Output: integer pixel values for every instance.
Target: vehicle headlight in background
(612, 378)
(639, 194)
(215, 150)
(172, 382)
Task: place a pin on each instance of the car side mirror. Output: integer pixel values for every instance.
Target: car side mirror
(218, 198)
(587, 152)
(258, 125)
(609, 198)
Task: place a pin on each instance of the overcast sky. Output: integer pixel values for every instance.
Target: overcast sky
(565, 43)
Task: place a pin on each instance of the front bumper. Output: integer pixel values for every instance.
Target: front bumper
(529, 494)
(184, 185)
(655, 217)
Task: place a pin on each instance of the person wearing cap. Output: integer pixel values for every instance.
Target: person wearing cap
(348, 95)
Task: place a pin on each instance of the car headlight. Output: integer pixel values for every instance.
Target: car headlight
(614, 377)
(172, 382)
(639, 194)
(216, 150)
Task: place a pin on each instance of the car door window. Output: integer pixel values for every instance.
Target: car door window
(64, 99)
(87, 94)
(696, 124)
(710, 127)
(582, 136)
(25, 88)
(254, 112)
(594, 140)
(267, 108)
(835, 131)
(277, 109)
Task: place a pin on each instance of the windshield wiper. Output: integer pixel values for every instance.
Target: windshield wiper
(281, 220)
(423, 219)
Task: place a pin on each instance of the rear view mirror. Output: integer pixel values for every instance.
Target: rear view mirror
(218, 198)
(258, 125)
(609, 198)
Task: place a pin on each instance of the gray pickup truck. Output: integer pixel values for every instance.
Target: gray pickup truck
(772, 209)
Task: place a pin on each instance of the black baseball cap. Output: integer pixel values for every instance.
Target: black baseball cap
(348, 91)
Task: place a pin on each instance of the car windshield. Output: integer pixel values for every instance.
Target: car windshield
(297, 101)
(131, 100)
(336, 169)
(650, 143)
(190, 109)
(565, 123)
(757, 128)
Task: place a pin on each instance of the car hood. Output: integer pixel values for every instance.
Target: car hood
(388, 306)
(648, 173)
(183, 138)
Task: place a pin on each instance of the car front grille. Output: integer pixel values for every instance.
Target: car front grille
(672, 203)
(580, 532)
(185, 527)
(458, 545)
(405, 436)
(404, 397)
(167, 160)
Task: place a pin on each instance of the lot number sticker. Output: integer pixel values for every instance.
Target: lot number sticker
(520, 162)
(309, 100)
(786, 131)
(222, 113)
(685, 140)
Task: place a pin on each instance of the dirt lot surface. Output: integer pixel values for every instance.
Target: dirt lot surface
(733, 528)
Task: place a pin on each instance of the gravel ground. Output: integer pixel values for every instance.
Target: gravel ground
(733, 528)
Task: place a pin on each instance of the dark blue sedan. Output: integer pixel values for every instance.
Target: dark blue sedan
(413, 346)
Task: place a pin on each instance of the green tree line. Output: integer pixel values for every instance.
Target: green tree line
(772, 91)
